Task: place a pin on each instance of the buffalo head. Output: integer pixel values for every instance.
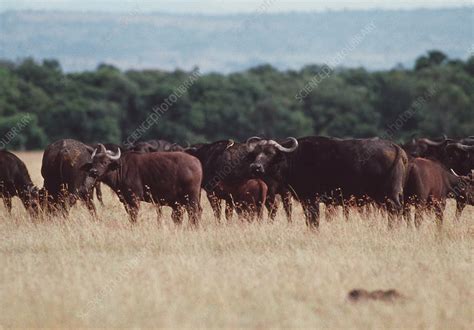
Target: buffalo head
(460, 157)
(265, 153)
(424, 147)
(465, 187)
(102, 161)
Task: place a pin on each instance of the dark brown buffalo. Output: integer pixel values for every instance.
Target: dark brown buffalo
(156, 145)
(457, 154)
(226, 162)
(162, 178)
(428, 185)
(15, 181)
(248, 198)
(220, 161)
(318, 166)
(64, 181)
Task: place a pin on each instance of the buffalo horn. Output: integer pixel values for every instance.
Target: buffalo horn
(113, 156)
(282, 148)
(253, 139)
(452, 171)
(433, 143)
(461, 146)
(103, 150)
(230, 143)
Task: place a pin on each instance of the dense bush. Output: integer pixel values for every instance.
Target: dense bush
(434, 98)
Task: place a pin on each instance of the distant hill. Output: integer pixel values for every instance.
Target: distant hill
(234, 42)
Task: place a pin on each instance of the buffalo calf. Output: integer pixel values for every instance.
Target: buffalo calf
(248, 197)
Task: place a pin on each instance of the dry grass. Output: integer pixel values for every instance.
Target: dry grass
(77, 272)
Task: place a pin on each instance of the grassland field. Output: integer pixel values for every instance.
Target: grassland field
(81, 272)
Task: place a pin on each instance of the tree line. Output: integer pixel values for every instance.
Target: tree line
(39, 103)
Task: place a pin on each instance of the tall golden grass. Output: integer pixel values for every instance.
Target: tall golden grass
(79, 272)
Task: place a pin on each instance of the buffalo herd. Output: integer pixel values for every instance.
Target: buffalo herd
(251, 175)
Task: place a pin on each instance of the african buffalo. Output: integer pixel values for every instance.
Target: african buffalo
(156, 145)
(225, 162)
(64, 181)
(428, 185)
(220, 161)
(163, 178)
(248, 197)
(317, 166)
(15, 181)
(457, 154)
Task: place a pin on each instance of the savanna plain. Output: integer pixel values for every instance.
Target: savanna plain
(82, 272)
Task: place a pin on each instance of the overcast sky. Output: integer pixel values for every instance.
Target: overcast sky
(223, 6)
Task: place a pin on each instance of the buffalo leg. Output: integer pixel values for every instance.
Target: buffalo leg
(7, 200)
(159, 212)
(406, 214)
(177, 214)
(287, 205)
(194, 212)
(394, 212)
(251, 212)
(459, 208)
(215, 205)
(239, 209)
(418, 215)
(438, 208)
(346, 209)
(98, 193)
(245, 212)
(87, 198)
(229, 209)
(132, 211)
(5, 193)
(91, 207)
(132, 205)
(272, 206)
(311, 212)
(259, 211)
(330, 211)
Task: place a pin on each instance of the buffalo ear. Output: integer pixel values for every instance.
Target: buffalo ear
(113, 166)
(86, 167)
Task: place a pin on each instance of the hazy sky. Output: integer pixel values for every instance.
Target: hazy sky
(223, 6)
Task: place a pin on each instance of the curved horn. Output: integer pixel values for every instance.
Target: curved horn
(102, 148)
(460, 146)
(93, 153)
(282, 148)
(433, 143)
(253, 139)
(457, 175)
(230, 143)
(89, 148)
(113, 156)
